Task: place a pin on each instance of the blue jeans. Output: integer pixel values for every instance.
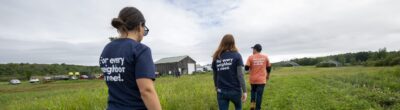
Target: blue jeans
(257, 91)
(224, 97)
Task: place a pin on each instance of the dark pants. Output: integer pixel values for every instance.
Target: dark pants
(257, 91)
(224, 97)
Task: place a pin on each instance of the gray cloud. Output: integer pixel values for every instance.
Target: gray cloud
(74, 32)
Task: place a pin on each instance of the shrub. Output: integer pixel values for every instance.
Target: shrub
(326, 65)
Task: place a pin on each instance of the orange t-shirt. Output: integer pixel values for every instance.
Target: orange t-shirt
(258, 68)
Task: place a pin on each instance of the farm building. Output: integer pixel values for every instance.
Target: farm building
(175, 65)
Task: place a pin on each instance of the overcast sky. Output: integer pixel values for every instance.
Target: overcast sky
(75, 31)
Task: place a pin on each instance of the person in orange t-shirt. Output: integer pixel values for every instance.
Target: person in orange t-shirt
(259, 67)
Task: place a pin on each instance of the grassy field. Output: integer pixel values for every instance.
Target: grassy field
(295, 88)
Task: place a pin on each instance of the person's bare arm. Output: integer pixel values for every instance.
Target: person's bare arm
(268, 71)
(269, 67)
(148, 93)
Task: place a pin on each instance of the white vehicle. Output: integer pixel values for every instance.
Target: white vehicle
(84, 77)
(47, 78)
(74, 78)
(34, 80)
(15, 81)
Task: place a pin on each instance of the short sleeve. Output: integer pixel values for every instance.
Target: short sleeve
(144, 67)
(240, 60)
(248, 62)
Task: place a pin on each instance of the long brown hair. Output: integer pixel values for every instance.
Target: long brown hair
(227, 44)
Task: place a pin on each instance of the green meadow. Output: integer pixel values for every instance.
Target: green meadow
(290, 88)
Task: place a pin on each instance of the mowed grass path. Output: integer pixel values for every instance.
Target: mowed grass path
(306, 88)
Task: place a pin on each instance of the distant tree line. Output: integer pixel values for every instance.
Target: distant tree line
(26, 70)
(382, 57)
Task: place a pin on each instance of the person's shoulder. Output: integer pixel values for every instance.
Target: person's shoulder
(112, 45)
(136, 47)
(109, 44)
(264, 55)
(134, 44)
(236, 54)
(251, 56)
(143, 49)
(125, 42)
(142, 46)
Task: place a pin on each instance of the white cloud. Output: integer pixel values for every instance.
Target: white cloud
(301, 27)
(74, 32)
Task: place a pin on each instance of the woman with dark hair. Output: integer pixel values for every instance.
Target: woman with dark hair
(128, 66)
(228, 70)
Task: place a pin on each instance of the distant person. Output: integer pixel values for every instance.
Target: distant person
(176, 73)
(128, 66)
(228, 71)
(260, 68)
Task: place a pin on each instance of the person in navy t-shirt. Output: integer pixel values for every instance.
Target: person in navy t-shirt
(228, 71)
(128, 66)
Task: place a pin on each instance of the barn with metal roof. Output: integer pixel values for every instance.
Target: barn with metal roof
(176, 65)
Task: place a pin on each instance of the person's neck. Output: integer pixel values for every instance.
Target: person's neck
(133, 36)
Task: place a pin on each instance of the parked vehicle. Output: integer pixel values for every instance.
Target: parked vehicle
(15, 81)
(84, 77)
(34, 80)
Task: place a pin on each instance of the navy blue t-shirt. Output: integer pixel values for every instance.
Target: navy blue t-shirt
(225, 69)
(122, 62)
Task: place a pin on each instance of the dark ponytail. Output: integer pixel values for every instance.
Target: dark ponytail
(129, 18)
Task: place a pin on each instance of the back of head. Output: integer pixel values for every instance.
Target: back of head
(257, 48)
(129, 18)
(227, 44)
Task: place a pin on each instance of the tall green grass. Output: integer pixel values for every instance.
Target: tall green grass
(307, 88)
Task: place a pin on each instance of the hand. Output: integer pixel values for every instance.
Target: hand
(244, 97)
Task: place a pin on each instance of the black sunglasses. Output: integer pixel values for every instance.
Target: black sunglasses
(146, 30)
